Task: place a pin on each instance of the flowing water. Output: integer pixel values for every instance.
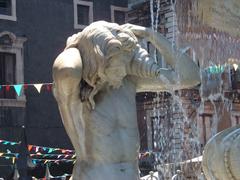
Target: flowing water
(184, 120)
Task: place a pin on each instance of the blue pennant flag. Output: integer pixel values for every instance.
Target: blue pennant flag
(0, 87)
(50, 150)
(18, 88)
(34, 161)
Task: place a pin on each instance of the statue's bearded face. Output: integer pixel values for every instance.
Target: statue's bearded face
(115, 70)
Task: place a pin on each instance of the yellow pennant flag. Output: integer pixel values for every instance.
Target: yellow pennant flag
(38, 87)
(13, 160)
(46, 161)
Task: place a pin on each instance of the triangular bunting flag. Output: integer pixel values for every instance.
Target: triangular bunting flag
(18, 88)
(25, 86)
(45, 161)
(37, 148)
(6, 142)
(30, 147)
(0, 87)
(16, 173)
(49, 87)
(50, 150)
(7, 88)
(13, 160)
(47, 173)
(38, 87)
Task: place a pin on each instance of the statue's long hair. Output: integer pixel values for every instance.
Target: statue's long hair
(98, 43)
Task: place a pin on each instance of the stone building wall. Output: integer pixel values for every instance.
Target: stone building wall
(45, 26)
(215, 105)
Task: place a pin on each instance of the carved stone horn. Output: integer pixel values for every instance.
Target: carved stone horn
(221, 156)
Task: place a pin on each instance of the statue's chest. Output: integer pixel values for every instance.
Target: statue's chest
(115, 108)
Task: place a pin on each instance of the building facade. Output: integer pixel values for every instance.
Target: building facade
(175, 126)
(32, 34)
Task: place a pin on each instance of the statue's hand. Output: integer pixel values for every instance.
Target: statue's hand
(139, 31)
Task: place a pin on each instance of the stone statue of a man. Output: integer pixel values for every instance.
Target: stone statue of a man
(96, 79)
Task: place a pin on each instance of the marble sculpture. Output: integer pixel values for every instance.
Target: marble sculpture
(96, 78)
(221, 155)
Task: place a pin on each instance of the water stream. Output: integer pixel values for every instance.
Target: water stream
(184, 120)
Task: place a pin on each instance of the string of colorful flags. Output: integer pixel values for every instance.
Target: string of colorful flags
(4, 142)
(213, 69)
(47, 174)
(40, 154)
(18, 87)
(49, 149)
(47, 156)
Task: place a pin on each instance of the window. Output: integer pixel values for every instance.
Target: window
(8, 10)
(11, 68)
(205, 127)
(118, 14)
(5, 7)
(235, 119)
(83, 13)
(7, 73)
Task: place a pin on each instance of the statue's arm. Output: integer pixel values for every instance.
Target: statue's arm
(164, 82)
(184, 72)
(67, 73)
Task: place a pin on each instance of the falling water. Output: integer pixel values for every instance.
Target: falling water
(176, 134)
(154, 12)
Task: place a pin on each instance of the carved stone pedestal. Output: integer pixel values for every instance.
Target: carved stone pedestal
(221, 157)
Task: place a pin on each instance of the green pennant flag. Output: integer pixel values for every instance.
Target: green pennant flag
(18, 88)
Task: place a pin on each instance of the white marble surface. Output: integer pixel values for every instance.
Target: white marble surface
(95, 82)
(221, 157)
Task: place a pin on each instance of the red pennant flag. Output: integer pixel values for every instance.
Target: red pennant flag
(7, 87)
(49, 87)
(25, 86)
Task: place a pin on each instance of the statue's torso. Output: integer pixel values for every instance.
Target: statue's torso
(111, 128)
(111, 137)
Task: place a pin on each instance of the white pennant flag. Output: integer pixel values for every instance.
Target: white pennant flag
(47, 173)
(16, 173)
(235, 66)
(38, 87)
